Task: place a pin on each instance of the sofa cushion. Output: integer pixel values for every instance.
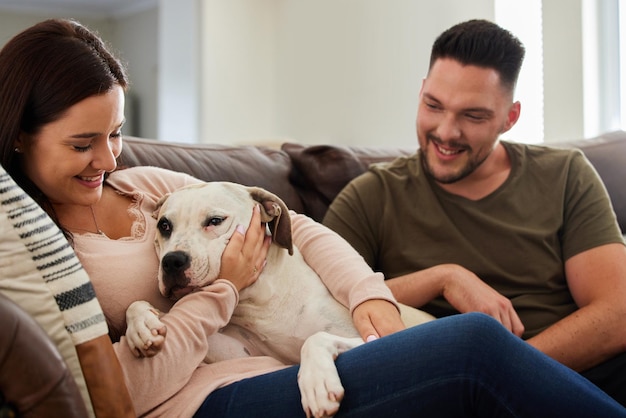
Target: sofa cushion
(264, 167)
(321, 171)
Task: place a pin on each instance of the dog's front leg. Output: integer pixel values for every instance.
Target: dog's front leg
(145, 333)
(320, 386)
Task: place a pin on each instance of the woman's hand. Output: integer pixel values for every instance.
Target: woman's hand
(246, 252)
(376, 318)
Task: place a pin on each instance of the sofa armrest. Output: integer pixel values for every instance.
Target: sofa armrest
(34, 378)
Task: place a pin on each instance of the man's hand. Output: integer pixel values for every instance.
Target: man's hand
(467, 293)
(376, 318)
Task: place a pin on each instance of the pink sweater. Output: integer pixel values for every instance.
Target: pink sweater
(176, 381)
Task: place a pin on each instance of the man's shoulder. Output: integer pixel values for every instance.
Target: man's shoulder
(546, 156)
(384, 177)
(401, 165)
(542, 150)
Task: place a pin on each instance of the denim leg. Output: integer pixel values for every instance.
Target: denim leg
(610, 376)
(461, 366)
(464, 366)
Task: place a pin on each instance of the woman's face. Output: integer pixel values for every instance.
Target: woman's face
(67, 158)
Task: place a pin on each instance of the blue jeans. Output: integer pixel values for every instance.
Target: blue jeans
(460, 366)
(610, 376)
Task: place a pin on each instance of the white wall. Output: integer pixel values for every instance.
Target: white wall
(349, 71)
(563, 71)
(342, 71)
(11, 23)
(319, 71)
(135, 37)
(132, 38)
(179, 70)
(239, 70)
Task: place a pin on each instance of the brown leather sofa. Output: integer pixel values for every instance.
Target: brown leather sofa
(307, 178)
(35, 379)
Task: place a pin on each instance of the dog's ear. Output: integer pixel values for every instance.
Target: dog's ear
(155, 213)
(276, 214)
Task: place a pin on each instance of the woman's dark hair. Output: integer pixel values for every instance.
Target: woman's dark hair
(44, 70)
(484, 44)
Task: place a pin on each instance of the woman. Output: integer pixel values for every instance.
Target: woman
(61, 104)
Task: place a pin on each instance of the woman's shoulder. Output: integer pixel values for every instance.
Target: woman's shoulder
(143, 171)
(148, 179)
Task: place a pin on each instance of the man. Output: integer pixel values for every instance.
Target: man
(524, 233)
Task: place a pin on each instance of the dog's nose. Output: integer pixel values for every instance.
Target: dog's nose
(175, 262)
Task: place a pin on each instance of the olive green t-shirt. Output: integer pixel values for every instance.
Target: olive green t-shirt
(552, 206)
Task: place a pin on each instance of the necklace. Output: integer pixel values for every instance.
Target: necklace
(95, 221)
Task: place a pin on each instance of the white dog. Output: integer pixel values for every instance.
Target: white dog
(288, 308)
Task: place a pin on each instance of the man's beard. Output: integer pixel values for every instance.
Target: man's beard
(471, 165)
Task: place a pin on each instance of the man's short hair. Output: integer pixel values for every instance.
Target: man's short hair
(484, 44)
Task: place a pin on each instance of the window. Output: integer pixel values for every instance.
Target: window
(603, 61)
(622, 61)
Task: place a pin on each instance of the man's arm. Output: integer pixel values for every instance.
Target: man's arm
(595, 332)
(465, 291)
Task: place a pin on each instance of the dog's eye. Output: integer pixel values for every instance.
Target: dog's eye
(213, 221)
(165, 227)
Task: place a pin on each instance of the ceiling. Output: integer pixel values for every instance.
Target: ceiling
(92, 8)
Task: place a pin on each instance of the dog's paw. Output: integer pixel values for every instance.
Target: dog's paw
(145, 333)
(320, 386)
(321, 391)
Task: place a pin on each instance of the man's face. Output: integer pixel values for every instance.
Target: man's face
(461, 113)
